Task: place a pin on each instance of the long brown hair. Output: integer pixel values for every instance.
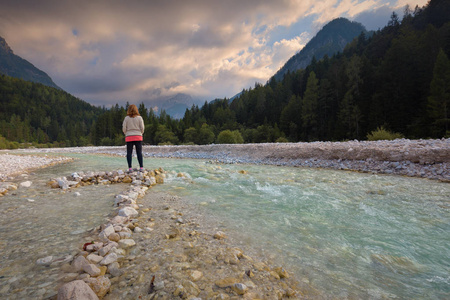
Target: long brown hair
(132, 111)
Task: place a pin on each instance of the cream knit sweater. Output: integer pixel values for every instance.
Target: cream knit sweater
(133, 126)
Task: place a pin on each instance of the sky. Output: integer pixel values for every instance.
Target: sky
(113, 51)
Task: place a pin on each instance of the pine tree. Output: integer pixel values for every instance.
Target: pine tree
(439, 99)
(309, 107)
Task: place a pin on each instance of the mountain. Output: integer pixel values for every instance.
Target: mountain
(175, 106)
(15, 66)
(332, 38)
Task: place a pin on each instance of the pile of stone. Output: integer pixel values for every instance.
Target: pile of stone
(88, 273)
(77, 179)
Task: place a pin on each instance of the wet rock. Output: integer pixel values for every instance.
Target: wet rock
(46, 261)
(191, 288)
(26, 184)
(128, 212)
(100, 285)
(91, 269)
(76, 290)
(115, 237)
(107, 248)
(70, 277)
(226, 282)
(94, 247)
(126, 243)
(239, 288)
(119, 220)
(78, 263)
(195, 275)
(93, 258)
(127, 179)
(114, 269)
(109, 259)
(109, 230)
(281, 272)
(219, 235)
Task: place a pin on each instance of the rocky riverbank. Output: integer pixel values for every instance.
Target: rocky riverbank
(12, 165)
(415, 158)
(152, 248)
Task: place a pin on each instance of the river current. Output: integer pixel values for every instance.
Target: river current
(345, 234)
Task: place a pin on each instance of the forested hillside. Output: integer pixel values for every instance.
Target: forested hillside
(398, 78)
(35, 113)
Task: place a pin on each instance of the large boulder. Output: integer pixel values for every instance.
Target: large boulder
(76, 290)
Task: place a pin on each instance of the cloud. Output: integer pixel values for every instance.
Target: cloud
(109, 51)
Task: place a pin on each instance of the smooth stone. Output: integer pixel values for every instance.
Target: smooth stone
(196, 275)
(226, 282)
(109, 259)
(128, 212)
(124, 235)
(239, 288)
(119, 220)
(94, 247)
(93, 258)
(281, 272)
(191, 288)
(26, 184)
(115, 237)
(77, 194)
(105, 250)
(92, 270)
(78, 263)
(46, 261)
(126, 243)
(109, 230)
(115, 270)
(70, 277)
(76, 290)
(100, 285)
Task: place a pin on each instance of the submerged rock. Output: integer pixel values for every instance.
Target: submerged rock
(46, 261)
(76, 290)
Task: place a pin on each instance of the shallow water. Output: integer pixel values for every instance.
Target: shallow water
(345, 234)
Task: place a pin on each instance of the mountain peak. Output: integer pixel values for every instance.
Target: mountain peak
(332, 38)
(15, 66)
(4, 47)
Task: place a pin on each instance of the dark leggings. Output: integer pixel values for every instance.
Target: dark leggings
(138, 145)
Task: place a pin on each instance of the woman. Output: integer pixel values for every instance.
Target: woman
(133, 128)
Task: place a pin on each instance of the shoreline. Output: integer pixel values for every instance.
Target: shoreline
(173, 213)
(155, 246)
(413, 158)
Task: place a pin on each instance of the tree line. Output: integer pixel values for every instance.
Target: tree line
(397, 79)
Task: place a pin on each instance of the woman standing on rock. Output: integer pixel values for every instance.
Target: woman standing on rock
(133, 128)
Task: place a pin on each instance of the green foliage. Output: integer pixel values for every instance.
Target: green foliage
(230, 137)
(33, 112)
(439, 99)
(164, 136)
(382, 134)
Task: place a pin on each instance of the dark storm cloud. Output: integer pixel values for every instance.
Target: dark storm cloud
(110, 50)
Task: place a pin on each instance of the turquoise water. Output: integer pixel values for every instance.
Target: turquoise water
(344, 234)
